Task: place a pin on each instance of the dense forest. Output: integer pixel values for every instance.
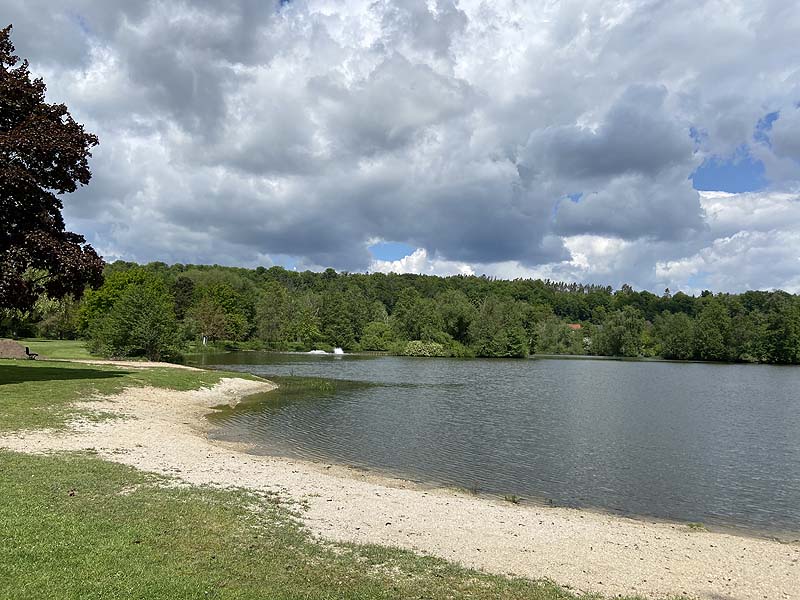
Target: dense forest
(161, 311)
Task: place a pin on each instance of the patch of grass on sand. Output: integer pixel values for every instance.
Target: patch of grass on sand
(62, 349)
(38, 394)
(76, 526)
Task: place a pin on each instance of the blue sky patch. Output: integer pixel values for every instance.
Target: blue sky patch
(390, 250)
(697, 136)
(698, 281)
(738, 173)
(763, 128)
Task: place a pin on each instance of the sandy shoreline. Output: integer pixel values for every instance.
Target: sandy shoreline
(134, 364)
(165, 432)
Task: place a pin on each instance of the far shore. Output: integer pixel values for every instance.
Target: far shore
(165, 431)
(534, 356)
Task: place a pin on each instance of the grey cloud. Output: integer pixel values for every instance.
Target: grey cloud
(49, 34)
(34, 39)
(636, 136)
(785, 134)
(484, 222)
(413, 22)
(258, 130)
(633, 206)
(181, 65)
(385, 111)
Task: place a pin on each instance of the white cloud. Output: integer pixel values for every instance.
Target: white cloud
(419, 262)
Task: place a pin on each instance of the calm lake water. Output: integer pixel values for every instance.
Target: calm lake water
(717, 444)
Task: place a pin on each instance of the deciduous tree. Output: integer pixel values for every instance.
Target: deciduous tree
(44, 153)
(141, 323)
(621, 333)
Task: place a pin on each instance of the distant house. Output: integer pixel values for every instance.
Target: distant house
(574, 326)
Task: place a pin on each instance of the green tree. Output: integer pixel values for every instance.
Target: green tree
(208, 319)
(403, 318)
(98, 303)
(232, 304)
(498, 330)
(57, 317)
(304, 324)
(532, 316)
(377, 336)
(674, 335)
(183, 292)
(378, 312)
(335, 319)
(416, 318)
(711, 330)
(272, 313)
(141, 323)
(783, 331)
(621, 333)
(747, 337)
(457, 314)
(553, 336)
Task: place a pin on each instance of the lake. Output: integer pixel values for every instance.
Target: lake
(710, 443)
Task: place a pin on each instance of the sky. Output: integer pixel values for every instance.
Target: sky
(614, 141)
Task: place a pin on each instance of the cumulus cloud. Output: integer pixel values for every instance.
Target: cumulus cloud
(419, 262)
(633, 206)
(753, 245)
(514, 139)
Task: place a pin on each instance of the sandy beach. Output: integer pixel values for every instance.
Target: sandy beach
(166, 432)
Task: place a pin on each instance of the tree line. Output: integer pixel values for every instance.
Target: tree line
(159, 311)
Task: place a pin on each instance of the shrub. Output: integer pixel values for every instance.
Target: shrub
(140, 323)
(427, 349)
(377, 336)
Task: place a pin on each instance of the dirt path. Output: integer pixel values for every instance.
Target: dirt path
(165, 433)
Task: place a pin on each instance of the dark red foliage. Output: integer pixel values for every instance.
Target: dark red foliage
(43, 152)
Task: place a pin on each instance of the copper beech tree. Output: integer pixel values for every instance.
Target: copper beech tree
(43, 153)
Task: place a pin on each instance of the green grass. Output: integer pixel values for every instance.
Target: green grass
(69, 349)
(38, 394)
(80, 527)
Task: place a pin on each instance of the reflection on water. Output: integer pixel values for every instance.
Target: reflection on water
(718, 444)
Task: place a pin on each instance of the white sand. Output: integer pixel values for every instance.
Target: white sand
(584, 550)
(135, 364)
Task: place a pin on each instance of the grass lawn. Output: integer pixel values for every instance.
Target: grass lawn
(80, 527)
(75, 526)
(57, 348)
